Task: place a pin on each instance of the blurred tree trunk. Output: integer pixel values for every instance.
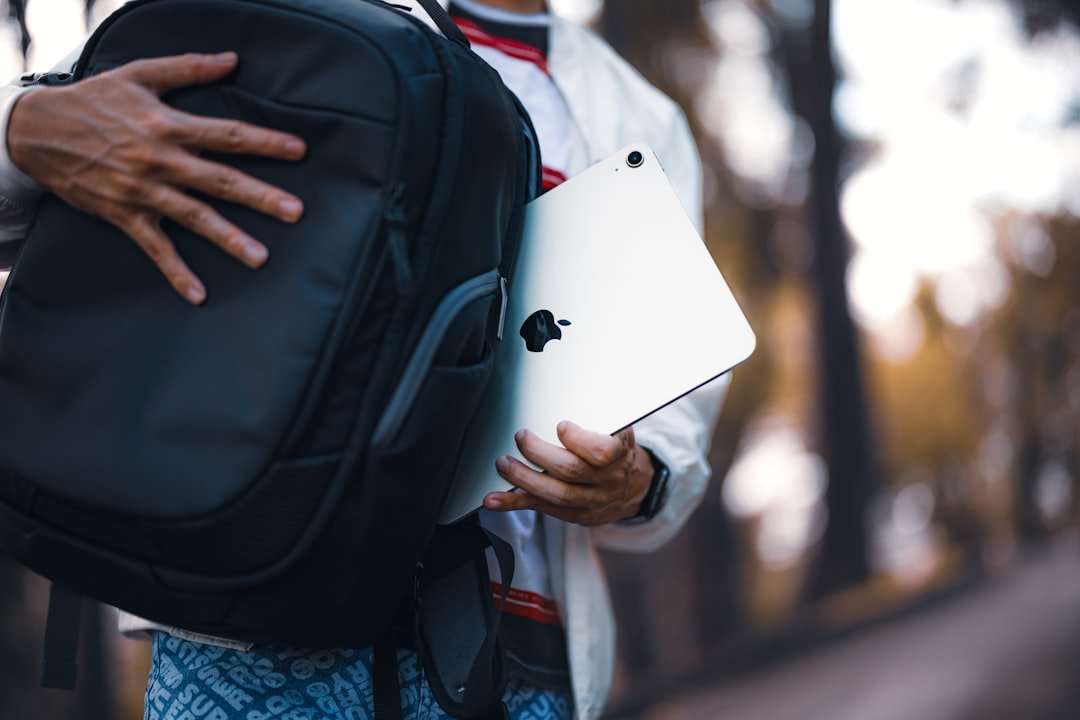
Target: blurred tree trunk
(11, 694)
(1030, 409)
(847, 440)
(1035, 370)
(1043, 15)
(16, 10)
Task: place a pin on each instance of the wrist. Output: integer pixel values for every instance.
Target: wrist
(641, 479)
(649, 505)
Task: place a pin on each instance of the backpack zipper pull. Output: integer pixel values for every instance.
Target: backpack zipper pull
(504, 293)
(49, 78)
(397, 236)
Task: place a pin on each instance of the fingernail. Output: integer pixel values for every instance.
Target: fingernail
(196, 294)
(492, 502)
(296, 147)
(255, 254)
(502, 465)
(563, 427)
(226, 58)
(519, 435)
(290, 208)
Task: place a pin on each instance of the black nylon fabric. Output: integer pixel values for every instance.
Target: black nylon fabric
(212, 468)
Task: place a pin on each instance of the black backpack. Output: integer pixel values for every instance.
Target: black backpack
(270, 467)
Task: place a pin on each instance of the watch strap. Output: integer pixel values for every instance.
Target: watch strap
(656, 496)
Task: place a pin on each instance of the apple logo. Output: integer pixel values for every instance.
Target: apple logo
(540, 328)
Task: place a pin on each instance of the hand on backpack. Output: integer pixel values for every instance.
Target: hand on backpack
(109, 146)
(595, 479)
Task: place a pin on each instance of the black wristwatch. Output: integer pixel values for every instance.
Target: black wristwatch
(654, 499)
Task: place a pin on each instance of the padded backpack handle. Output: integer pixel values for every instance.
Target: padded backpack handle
(445, 23)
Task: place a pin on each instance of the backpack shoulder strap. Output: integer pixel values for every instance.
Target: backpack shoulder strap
(443, 21)
(457, 625)
(59, 665)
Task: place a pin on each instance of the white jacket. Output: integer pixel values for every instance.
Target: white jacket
(613, 106)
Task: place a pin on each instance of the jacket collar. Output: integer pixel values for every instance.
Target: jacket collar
(566, 58)
(565, 61)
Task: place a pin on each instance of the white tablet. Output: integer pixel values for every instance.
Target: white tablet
(616, 310)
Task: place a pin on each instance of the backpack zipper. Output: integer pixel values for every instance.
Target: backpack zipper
(398, 239)
(423, 355)
(394, 221)
(49, 79)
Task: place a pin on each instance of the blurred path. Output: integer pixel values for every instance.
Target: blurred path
(1009, 649)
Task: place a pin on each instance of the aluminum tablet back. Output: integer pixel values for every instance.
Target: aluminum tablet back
(616, 310)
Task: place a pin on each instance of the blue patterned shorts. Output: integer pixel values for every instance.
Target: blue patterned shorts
(192, 681)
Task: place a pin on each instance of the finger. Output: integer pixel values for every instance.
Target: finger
(507, 501)
(235, 137)
(546, 487)
(510, 502)
(177, 71)
(557, 461)
(203, 220)
(148, 235)
(234, 186)
(597, 449)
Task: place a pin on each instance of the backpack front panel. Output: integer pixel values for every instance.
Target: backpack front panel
(281, 486)
(179, 422)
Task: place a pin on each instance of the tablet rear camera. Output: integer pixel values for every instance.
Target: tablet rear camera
(635, 159)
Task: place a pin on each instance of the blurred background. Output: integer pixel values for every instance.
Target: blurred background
(893, 191)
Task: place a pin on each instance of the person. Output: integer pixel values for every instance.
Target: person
(110, 147)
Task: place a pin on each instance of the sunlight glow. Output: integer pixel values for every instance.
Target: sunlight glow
(57, 28)
(904, 543)
(881, 284)
(579, 11)
(778, 482)
(767, 147)
(1053, 491)
(974, 123)
(899, 336)
(1028, 245)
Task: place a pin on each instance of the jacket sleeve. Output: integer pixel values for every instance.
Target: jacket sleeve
(18, 193)
(679, 434)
